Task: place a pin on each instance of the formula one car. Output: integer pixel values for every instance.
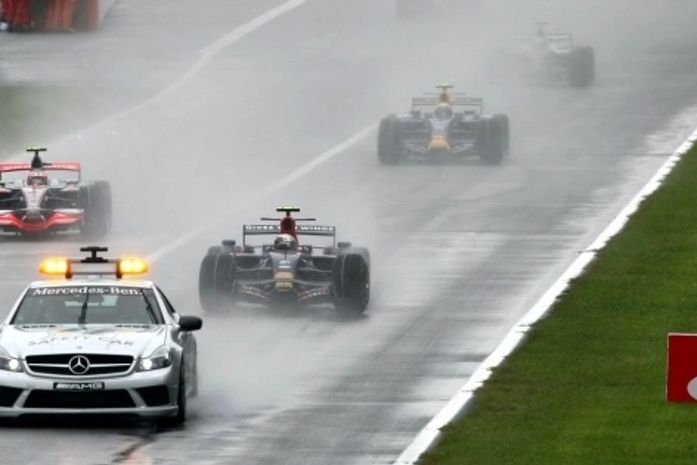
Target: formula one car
(48, 198)
(89, 342)
(553, 57)
(444, 127)
(286, 272)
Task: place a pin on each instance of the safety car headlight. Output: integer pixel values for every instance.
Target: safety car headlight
(8, 363)
(160, 358)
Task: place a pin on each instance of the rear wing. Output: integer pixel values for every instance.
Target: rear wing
(559, 37)
(464, 104)
(54, 166)
(551, 37)
(274, 229)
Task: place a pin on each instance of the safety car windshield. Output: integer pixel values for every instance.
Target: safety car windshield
(88, 305)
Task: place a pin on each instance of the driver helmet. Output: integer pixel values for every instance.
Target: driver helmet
(37, 178)
(285, 242)
(443, 111)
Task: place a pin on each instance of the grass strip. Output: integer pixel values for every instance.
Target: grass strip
(588, 384)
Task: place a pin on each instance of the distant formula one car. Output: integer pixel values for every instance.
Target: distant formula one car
(286, 272)
(444, 127)
(553, 57)
(49, 199)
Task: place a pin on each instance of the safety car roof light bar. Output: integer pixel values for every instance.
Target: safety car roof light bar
(65, 266)
(94, 251)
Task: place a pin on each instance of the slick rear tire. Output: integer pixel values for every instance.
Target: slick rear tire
(582, 67)
(493, 137)
(503, 128)
(215, 280)
(389, 141)
(95, 200)
(352, 282)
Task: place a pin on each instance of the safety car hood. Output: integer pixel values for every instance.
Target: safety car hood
(21, 341)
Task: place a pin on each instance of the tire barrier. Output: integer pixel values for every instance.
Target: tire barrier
(53, 15)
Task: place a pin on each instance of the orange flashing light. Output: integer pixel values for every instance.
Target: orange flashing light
(55, 266)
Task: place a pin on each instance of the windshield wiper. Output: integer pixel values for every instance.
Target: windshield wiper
(83, 313)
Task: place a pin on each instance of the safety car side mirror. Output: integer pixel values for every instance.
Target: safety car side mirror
(190, 323)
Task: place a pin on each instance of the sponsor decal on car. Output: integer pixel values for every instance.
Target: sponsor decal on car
(84, 290)
(93, 386)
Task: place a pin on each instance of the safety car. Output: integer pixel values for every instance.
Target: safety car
(93, 339)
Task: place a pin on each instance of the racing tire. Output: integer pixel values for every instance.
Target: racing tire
(352, 282)
(493, 141)
(215, 280)
(180, 417)
(218, 250)
(503, 127)
(389, 141)
(582, 67)
(95, 200)
(104, 192)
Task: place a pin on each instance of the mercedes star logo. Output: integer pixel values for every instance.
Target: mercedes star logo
(79, 365)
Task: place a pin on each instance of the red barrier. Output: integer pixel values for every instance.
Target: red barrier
(95, 11)
(682, 368)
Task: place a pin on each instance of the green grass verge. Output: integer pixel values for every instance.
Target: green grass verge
(588, 384)
(36, 115)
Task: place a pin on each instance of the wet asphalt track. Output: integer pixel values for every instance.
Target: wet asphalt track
(459, 252)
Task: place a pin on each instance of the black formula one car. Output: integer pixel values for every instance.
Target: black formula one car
(41, 198)
(286, 272)
(554, 58)
(444, 127)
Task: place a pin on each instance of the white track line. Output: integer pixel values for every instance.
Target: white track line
(431, 431)
(270, 189)
(209, 52)
(206, 55)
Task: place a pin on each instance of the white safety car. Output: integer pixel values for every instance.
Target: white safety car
(91, 341)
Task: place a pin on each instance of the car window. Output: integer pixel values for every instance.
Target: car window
(168, 306)
(88, 305)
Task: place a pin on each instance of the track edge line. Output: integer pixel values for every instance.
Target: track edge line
(428, 435)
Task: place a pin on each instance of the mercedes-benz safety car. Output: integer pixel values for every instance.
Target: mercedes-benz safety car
(287, 271)
(42, 197)
(93, 340)
(443, 127)
(554, 58)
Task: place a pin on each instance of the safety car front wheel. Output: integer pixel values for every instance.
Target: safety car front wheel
(180, 417)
